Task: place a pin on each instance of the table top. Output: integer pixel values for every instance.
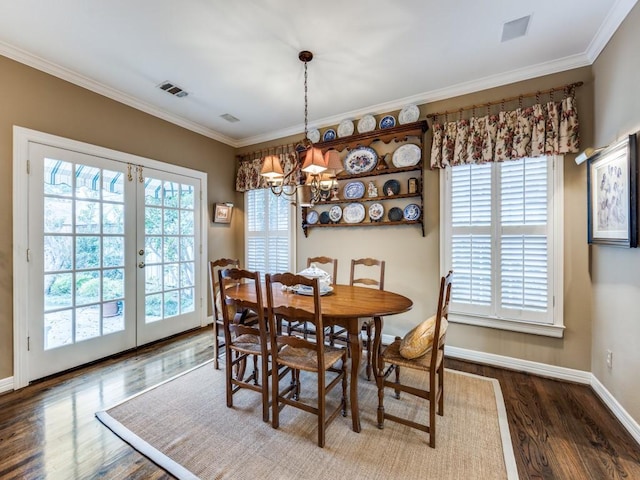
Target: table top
(344, 302)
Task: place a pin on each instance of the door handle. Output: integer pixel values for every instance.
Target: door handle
(140, 264)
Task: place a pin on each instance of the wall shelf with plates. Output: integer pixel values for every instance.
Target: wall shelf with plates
(393, 154)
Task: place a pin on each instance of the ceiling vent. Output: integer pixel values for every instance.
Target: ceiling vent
(230, 118)
(515, 28)
(173, 89)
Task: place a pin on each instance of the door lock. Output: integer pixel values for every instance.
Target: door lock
(141, 252)
(140, 264)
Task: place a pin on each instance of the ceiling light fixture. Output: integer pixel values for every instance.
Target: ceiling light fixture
(311, 160)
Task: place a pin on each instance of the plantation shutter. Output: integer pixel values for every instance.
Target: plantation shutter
(268, 232)
(471, 234)
(524, 239)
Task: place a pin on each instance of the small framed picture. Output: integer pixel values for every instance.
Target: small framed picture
(412, 186)
(612, 189)
(222, 212)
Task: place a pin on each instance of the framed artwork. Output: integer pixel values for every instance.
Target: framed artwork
(612, 189)
(222, 212)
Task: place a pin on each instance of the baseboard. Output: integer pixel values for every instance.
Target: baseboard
(618, 411)
(510, 363)
(556, 373)
(6, 384)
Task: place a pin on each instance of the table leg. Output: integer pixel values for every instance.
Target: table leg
(355, 346)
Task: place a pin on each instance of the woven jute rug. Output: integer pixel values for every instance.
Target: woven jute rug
(184, 426)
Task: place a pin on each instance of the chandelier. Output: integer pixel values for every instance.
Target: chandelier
(320, 169)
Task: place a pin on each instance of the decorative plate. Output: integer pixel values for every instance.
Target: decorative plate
(312, 217)
(395, 214)
(391, 187)
(406, 155)
(353, 190)
(345, 128)
(409, 114)
(325, 218)
(335, 213)
(366, 124)
(353, 213)
(314, 135)
(376, 211)
(387, 121)
(329, 135)
(360, 160)
(307, 290)
(412, 212)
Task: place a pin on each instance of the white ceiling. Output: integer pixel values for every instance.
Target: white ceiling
(241, 57)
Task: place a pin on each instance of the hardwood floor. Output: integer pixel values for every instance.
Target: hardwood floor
(48, 430)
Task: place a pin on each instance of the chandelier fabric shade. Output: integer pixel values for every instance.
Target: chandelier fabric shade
(541, 129)
(271, 167)
(249, 175)
(314, 161)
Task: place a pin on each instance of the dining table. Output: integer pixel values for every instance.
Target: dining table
(346, 306)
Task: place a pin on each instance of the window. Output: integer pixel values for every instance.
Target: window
(502, 237)
(270, 232)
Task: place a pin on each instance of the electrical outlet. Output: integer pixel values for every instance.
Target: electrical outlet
(609, 358)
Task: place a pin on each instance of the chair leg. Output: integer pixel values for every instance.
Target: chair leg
(344, 388)
(216, 345)
(369, 346)
(441, 389)
(275, 396)
(321, 409)
(228, 366)
(265, 388)
(397, 368)
(432, 411)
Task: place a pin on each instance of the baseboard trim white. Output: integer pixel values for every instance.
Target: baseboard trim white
(618, 411)
(551, 371)
(6, 384)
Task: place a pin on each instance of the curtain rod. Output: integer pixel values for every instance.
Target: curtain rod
(287, 148)
(551, 91)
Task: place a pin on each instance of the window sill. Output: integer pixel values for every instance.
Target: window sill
(556, 331)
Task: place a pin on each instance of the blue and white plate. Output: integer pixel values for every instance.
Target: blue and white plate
(353, 190)
(335, 213)
(406, 155)
(314, 135)
(345, 128)
(312, 217)
(412, 212)
(353, 213)
(409, 114)
(366, 124)
(360, 160)
(307, 290)
(329, 135)
(376, 211)
(387, 121)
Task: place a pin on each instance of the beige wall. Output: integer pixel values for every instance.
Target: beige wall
(413, 261)
(35, 100)
(615, 272)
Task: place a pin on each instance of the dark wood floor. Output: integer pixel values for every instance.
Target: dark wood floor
(48, 430)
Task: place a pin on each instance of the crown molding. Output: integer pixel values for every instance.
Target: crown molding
(70, 76)
(608, 27)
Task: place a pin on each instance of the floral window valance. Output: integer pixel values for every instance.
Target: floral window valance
(249, 178)
(541, 129)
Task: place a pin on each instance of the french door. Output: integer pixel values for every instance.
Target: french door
(113, 257)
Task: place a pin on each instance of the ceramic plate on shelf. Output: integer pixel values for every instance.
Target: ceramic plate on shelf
(312, 217)
(360, 160)
(345, 128)
(406, 155)
(314, 135)
(329, 135)
(353, 213)
(325, 218)
(335, 213)
(391, 187)
(366, 124)
(353, 190)
(387, 121)
(409, 114)
(395, 214)
(412, 212)
(376, 211)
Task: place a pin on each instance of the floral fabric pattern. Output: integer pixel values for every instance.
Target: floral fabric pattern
(249, 178)
(541, 129)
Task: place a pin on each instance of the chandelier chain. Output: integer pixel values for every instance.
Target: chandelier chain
(306, 106)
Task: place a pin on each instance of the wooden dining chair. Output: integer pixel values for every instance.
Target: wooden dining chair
(422, 349)
(242, 341)
(293, 354)
(324, 263)
(358, 277)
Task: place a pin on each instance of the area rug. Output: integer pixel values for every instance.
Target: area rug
(184, 426)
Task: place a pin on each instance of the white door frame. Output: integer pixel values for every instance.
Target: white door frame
(21, 139)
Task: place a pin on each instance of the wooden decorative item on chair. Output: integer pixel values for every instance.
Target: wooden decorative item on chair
(290, 353)
(241, 341)
(416, 352)
(368, 282)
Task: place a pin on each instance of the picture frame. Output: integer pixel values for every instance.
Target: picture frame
(612, 191)
(412, 185)
(222, 212)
